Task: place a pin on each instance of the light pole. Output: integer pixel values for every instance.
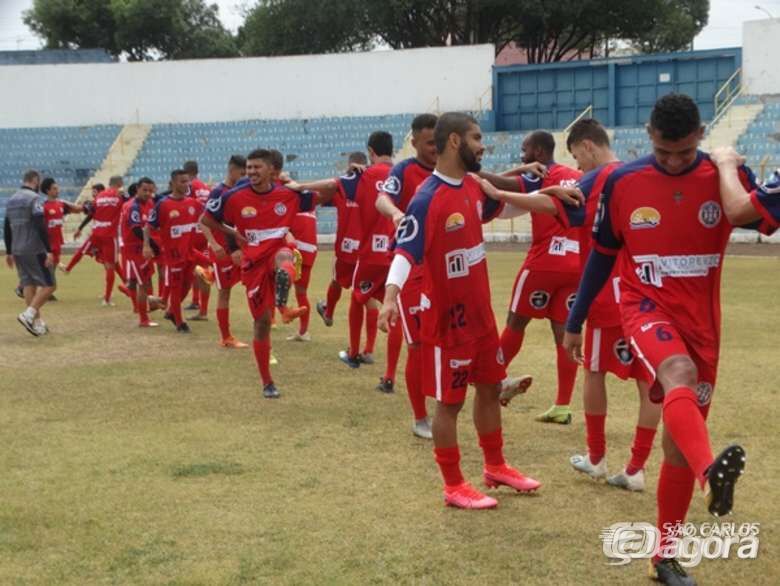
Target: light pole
(764, 10)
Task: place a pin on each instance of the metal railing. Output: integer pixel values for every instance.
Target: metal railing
(586, 113)
(726, 96)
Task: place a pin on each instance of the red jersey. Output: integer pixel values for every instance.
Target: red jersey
(377, 231)
(105, 218)
(348, 229)
(403, 181)
(54, 210)
(304, 230)
(672, 234)
(766, 200)
(553, 248)
(199, 191)
(135, 214)
(443, 231)
(176, 220)
(263, 218)
(605, 311)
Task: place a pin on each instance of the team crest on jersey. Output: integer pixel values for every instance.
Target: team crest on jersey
(135, 217)
(191, 211)
(391, 185)
(704, 393)
(365, 286)
(280, 209)
(174, 214)
(623, 352)
(570, 301)
(645, 218)
(248, 212)
(407, 230)
(539, 299)
(710, 214)
(454, 222)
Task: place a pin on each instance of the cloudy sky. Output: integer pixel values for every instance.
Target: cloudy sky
(724, 28)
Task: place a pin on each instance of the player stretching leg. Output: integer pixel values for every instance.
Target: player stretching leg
(663, 215)
(443, 231)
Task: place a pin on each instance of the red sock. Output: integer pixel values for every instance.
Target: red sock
(223, 320)
(372, 317)
(142, 308)
(303, 301)
(204, 301)
(492, 448)
(110, 276)
(567, 374)
(355, 325)
(77, 256)
(640, 451)
(263, 358)
(511, 342)
(334, 294)
(596, 438)
(119, 274)
(175, 298)
(686, 425)
(448, 460)
(395, 339)
(414, 381)
(133, 299)
(675, 489)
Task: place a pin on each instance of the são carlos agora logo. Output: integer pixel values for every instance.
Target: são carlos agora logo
(645, 218)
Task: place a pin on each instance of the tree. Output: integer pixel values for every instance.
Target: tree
(137, 29)
(673, 25)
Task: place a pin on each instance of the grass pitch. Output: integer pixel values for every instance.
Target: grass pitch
(144, 457)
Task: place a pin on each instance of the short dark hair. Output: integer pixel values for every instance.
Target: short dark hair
(381, 142)
(277, 161)
(543, 140)
(143, 180)
(99, 187)
(132, 190)
(115, 180)
(46, 184)
(357, 157)
(449, 123)
(30, 175)
(587, 129)
(177, 172)
(262, 154)
(237, 161)
(423, 121)
(675, 116)
(191, 167)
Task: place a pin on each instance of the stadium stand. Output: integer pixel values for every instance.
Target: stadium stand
(761, 142)
(55, 57)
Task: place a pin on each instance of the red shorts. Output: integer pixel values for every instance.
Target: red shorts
(409, 306)
(657, 338)
(343, 272)
(368, 282)
(305, 278)
(447, 372)
(544, 294)
(608, 350)
(226, 274)
(137, 269)
(178, 275)
(105, 248)
(258, 278)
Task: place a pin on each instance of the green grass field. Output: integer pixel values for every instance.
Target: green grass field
(146, 457)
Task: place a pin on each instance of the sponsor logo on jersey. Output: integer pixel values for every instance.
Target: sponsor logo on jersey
(570, 301)
(280, 209)
(174, 214)
(454, 222)
(455, 364)
(652, 268)
(391, 185)
(456, 264)
(623, 352)
(704, 393)
(248, 212)
(539, 299)
(710, 214)
(560, 245)
(380, 243)
(52, 211)
(645, 218)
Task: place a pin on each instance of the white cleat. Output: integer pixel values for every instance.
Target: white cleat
(40, 327)
(296, 337)
(105, 303)
(633, 482)
(583, 464)
(422, 428)
(28, 323)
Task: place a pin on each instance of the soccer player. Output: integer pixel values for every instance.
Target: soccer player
(443, 231)
(226, 266)
(175, 217)
(304, 233)
(86, 247)
(405, 177)
(663, 214)
(27, 249)
(138, 270)
(261, 214)
(606, 348)
(55, 210)
(545, 284)
(201, 290)
(105, 227)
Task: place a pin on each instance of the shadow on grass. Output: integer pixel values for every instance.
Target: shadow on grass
(206, 469)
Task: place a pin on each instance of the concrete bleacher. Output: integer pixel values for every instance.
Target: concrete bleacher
(761, 142)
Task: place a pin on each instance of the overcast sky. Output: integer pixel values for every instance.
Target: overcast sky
(724, 28)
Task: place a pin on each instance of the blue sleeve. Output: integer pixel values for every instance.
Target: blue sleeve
(37, 207)
(154, 215)
(394, 184)
(604, 235)
(349, 185)
(306, 203)
(597, 272)
(410, 236)
(766, 198)
(215, 207)
(576, 216)
(530, 182)
(490, 209)
(135, 219)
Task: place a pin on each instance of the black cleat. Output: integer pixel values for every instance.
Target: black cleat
(385, 386)
(53, 298)
(192, 307)
(183, 328)
(169, 316)
(722, 475)
(365, 358)
(351, 361)
(19, 292)
(669, 571)
(321, 309)
(271, 392)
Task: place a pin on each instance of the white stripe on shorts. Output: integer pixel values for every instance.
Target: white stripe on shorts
(437, 368)
(641, 357)
(404, 325)
(595, 350)
(518, 290)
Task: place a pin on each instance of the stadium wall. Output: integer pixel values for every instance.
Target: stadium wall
(350, 84)
(761, 75)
